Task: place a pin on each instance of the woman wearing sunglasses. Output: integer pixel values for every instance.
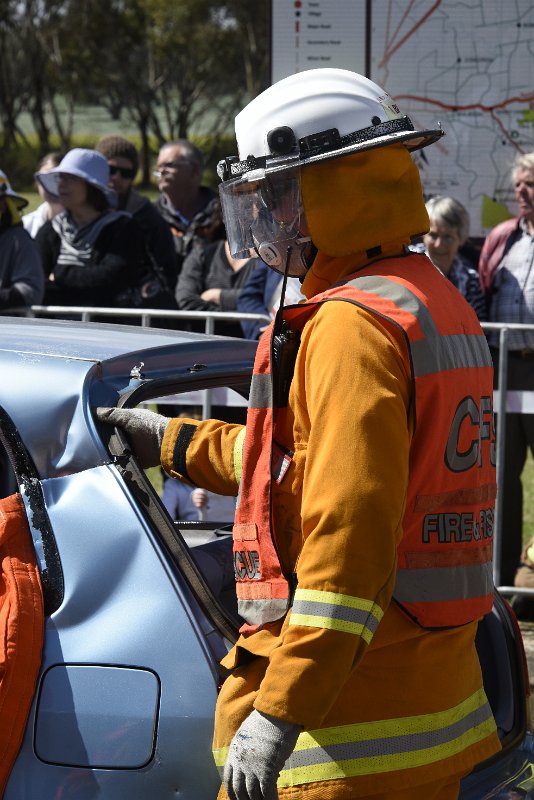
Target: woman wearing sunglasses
(123, 162)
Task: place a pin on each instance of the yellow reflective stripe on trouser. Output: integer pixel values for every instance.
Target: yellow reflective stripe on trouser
(369, 748)
(338, 612)
(238, 454)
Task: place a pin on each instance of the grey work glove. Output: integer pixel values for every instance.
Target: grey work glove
(144, 428)
(257, 753)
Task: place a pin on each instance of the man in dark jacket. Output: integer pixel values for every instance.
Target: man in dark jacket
(192, 211)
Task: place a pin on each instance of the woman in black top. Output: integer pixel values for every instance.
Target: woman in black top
(211, 280)
(90, 253)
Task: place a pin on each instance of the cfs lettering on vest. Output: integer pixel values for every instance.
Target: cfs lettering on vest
(464, 448)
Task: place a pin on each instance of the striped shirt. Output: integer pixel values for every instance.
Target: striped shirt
(512, 299)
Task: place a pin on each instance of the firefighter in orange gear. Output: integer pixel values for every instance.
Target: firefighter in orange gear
(366, 472)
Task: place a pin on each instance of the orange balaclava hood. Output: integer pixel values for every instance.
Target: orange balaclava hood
(358, 208)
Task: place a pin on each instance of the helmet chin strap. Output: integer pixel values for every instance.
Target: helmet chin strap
(279, 311)
(284, 347)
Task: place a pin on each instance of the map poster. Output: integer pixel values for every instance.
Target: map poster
(307, 34)
(467, 64)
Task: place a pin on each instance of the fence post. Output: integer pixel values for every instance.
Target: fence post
(500, 442)
(206, 404)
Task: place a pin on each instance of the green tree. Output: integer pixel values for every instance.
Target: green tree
(252, 26)
(180, 69)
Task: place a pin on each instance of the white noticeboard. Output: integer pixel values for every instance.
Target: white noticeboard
(467, 65)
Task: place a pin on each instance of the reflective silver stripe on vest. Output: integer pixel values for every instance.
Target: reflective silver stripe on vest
(434, 353)
(450, 352)
(260, 612)
(260, 392)
(443, 583)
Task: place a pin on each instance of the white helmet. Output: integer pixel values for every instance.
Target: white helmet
(312, 116)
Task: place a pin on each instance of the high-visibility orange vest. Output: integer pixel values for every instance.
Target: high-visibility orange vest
(444, 574)
(21, 627)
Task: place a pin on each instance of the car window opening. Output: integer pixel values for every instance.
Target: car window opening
(200, 518)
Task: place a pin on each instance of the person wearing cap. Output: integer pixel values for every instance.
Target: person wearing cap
(365, 474)
(123, 162)
(90, 252)
(50, 206)
(192, 211)
(21, 273)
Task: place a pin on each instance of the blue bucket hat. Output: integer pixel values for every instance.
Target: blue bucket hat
(89, 165)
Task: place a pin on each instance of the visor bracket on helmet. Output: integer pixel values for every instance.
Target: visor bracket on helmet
(232, 167)
(320, 142)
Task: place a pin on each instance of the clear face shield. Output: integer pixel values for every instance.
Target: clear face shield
(263, 212)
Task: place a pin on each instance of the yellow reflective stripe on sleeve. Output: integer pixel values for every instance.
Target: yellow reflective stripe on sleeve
(238, 454)
(334, 611)
(219, 756)
(388, 745)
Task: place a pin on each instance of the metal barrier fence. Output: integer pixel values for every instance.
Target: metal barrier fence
(511, 401)
(144, 315)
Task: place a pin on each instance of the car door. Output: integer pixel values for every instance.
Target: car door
(124, 703)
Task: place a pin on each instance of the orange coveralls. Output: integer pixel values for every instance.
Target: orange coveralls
(341, 506)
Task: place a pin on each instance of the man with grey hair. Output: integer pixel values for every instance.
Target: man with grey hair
(191, 210)
(449, 231)
(507, 277)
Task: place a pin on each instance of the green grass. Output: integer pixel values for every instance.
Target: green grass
(528, 499)
(33, 199)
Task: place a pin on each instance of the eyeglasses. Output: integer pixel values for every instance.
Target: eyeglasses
(169, 165)
(126, 172)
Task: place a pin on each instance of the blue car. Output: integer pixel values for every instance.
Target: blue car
(139, 608)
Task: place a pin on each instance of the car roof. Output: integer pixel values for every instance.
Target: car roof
(91, 341)
(57, 371)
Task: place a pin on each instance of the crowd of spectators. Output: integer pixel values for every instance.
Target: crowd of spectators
(94, 236)
(182, 234)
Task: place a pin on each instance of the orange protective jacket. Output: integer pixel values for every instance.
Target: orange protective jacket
(22, 629)
(384, 703)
